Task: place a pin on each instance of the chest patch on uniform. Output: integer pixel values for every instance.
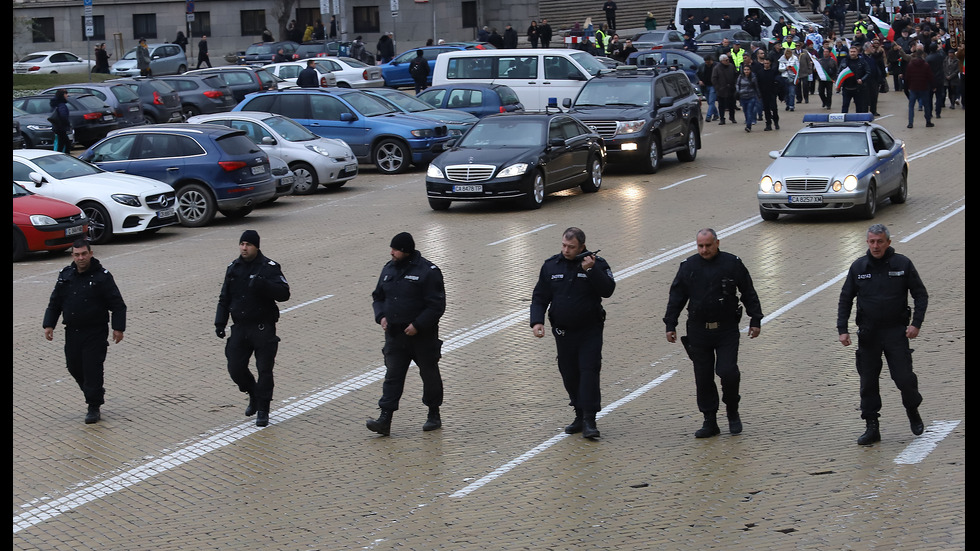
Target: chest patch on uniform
(896, 274)
(864, 276)
(412, 277)
(557, 276)
(580, 274)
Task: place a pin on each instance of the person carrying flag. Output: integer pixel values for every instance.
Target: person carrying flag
(789, 68)
(826, 71)
(851, 82)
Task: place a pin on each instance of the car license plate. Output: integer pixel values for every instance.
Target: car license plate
(166, 213)
(134, 108)
(468, 189)
(258, 169)
(73, 230)
(808, 199)
(107, 117)
(351, 167)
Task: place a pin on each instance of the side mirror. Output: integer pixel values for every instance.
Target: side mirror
(566, 103)
(556, 142)
(774, 154)
(347, 117)
(268, 140)
(36, 178)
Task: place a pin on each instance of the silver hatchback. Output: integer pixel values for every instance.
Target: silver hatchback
(165, 59)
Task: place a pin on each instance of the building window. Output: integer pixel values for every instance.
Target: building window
(144, 25)
(253, 22)
(201, 25)
(42, 29)
(366, 20)
(469, 14)
(98, 23)
(307, 16)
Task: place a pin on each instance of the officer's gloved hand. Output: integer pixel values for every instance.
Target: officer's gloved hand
(220, 332)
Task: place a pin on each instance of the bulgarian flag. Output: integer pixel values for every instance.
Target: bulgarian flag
(795, 71)
(821, 72)
(842, 76)
(884, 28)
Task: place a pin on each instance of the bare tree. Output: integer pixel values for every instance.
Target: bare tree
(282, 10)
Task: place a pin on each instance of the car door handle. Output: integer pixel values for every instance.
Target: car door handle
(173, 169)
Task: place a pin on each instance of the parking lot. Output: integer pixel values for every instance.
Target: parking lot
(175, 465)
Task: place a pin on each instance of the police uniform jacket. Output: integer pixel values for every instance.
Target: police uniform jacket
(85, 299)
(882, 287)
(410, 292)
(250, 292)
(708, 287)
(575, 296)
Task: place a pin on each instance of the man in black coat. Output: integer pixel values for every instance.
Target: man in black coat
(308, 77)
(510, 38)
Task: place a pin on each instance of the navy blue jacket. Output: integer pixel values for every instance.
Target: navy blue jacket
(882, 288)
(574, 296)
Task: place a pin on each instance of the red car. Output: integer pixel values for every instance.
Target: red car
(45, 224)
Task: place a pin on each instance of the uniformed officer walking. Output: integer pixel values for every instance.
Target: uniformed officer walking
(570, 288)
(252, 286)
(409, 299)
(882, 280)
(83, 296)
(709, 283)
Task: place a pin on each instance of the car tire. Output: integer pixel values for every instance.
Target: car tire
(902, 194)
(342, 84)
(20, 245)
(654, 156)
(691, 151)
(336, 185)
(99, 223)
(439, 204)
(535, 196)
(593, 176)
(391, 156)
(768, 215)
(195, 205)
(182, 69)
(305, 179)
(237, 213)
(148, 119)
(870, 206)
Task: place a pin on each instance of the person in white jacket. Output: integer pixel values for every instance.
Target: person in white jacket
(789, 64)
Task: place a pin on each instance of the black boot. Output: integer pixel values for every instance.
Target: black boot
(710, 426)
(262, 419)
(432, 422)
(915, 421)
(93, 415)
(251, 409)
(589, 430)
(871, 434)
(576, 426)
(734, 421)
(381, 425)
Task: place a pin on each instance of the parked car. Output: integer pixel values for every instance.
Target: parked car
(44, 224)
(212, 168)
(351, 73)
(91, 119)
(666, 59)
(479, 100)
(314, 160)
(201, 94)
(242, 80)
(456, 121)
(18, 137)
(34, 130)
(264, 53)
(517, 156)
(836, 163)
(52, 62)
(125, 103)
(114, 203)
(471, 45)
(318, 48)
(654, 40)
(709, 40)
(284, 178)
(288, 72)
(161, 103)
(396, 74)
(375, 131)
(165, 59)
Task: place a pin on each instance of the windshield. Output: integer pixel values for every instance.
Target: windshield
(505, 132)
(290, 130)
(589, 63)
(598, 92)
(406, 102)
(19, 191)
(828, 144)
(19, 112)
(353, 62)
(367, 105)
(63, 167)
(32, 58)
(130, 54)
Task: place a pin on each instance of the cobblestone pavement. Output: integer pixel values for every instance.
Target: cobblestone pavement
(175, 465)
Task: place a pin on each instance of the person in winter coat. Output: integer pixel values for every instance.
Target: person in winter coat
(918, 84)
(60, 123)
(747, 91)
(419, 69)
(510, 38)
(825, 88)
(897, 60)
(723, 79)
(533, 34)
(770, 84)
(788, 68)
(951, 76)
(806, 74)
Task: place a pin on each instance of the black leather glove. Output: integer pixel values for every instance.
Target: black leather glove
(220, 332)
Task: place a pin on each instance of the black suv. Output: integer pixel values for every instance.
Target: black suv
(242, 79)
(642, 114)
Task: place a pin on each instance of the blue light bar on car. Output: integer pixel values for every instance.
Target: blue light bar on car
(838, 117)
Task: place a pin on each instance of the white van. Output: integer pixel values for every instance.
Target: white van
(536, 74)
(769, 12)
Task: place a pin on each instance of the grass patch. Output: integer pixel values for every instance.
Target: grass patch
(43, 82)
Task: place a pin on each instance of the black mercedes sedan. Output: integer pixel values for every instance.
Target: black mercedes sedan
(517, 156)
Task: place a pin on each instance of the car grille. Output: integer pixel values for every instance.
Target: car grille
(797, 185)
(162, 200)
(605, 129)
(469, 173)
(69, 219)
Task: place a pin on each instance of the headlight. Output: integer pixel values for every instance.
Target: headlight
(850, 183)
(42, 220)
(128, 200)
(629, 127)
(38, 127)
(424, 133)
(766, 184)
(433, 172)
(513, 170)
(318, 149)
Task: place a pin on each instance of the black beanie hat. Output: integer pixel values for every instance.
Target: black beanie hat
(250, 236)
(403, 242)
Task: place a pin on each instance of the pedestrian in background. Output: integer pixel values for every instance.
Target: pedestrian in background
(83, 297)
(533, 34)
(703, 75)
(723, 79)
(308, 77)
(882, 281)
(60, 121)
(181, 40)
(570, 289)
(252, 286)
(408, 302)
(747, 91)
(419, 69)
(510, 38)
(854, 72)
(202, 53)
(708, 283)
(143, 58)
(101, 59)
(609, 7)
(918, 85)
(545, 32)
(770, 84)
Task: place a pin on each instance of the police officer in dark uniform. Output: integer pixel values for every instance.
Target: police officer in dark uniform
(253, 284)
(84, 295)
(408, 301)
(709, 283)
(570, 288)
(882, 280)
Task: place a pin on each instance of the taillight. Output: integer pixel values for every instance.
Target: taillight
(213, 94)
(502, 110)
(34, 68)
(323, 81)
(231, 166)
(92, 116)
(364, 75)
(157, 100)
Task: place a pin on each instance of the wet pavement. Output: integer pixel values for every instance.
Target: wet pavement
(174, 464)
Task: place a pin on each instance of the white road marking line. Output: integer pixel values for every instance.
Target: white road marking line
(544, 227)
(924, 444)
(684, 181)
